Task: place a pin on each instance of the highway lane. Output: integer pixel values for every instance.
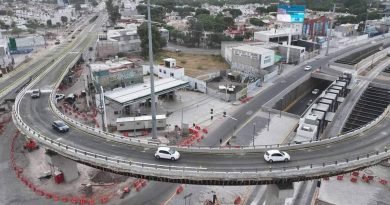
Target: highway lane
(225, 128)
(37, 114)
(38, 65)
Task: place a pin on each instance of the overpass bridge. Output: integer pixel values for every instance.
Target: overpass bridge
(242, 165)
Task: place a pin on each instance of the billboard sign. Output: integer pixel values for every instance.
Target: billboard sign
(291, 13)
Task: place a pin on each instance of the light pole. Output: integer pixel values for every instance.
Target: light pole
(365, 23)
(254, 133)
(280, 111)
(153, 100)
(330, 31)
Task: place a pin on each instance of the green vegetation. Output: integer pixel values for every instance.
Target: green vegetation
(234, 12)
(157, 41)
(64, 19)
(49, 23)
(16, 31)
(185, 11)
(197, 3)
(113, 11)
(201, 11)
(157, 12)
(256, 22)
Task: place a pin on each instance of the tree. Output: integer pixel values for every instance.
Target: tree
(256, 22)
(113, 11)
(261, 10)
(49, 23)
(201, 11)
(16, 31)
(157, 41)
(94, 3)
(64, 19)
(30, 30)
(234, 12)
(77, 7)
(158, 13)
(3, 25)
(248, 35)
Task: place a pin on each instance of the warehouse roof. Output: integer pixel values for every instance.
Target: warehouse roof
(130, 95)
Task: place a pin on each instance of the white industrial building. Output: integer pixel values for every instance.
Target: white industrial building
(296, 53)
(118, 40)
(168, 69)
(250, 60)
(278, 35)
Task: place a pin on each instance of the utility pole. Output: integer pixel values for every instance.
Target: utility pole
(151, 71)
(254, 133)
(365, 23)
(330, 31)
(103, 108)
(288, 44)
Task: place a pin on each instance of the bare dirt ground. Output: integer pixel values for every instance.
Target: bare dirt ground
(195, 64)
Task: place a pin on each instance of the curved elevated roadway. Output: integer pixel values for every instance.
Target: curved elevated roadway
(364, 148)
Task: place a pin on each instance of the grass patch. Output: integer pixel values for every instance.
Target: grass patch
(195, 64)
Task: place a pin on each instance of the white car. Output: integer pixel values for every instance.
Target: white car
(36, 93)
(276, 156)
(315, 91)
(308, 67)
(167, 153)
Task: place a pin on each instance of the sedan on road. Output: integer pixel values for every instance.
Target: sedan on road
(276, 156)
(60, 126)
(307, 68)
(315, 91)
(167, 153)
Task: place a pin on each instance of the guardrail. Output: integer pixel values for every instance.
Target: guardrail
(147, 169)
(208, 149)
(198, 173)
(154, 144)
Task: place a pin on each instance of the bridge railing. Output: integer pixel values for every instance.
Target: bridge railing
(154, 144)
(257, 148)
(154, 169)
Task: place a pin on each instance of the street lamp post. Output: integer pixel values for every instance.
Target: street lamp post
(330, 31)
(151, 71)
(254, 133)
(280, 111)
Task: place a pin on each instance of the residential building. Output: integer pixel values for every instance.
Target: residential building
(278, 35)
(118, 40)
(316, 26)
(345, 30)
(6, 60)
(43, 15)
(115, 73)
(250, 60)
(296, 53)
(164, 33)
(168, 69)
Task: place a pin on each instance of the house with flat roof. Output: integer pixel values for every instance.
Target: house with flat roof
(250, 60)
(115, 73)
